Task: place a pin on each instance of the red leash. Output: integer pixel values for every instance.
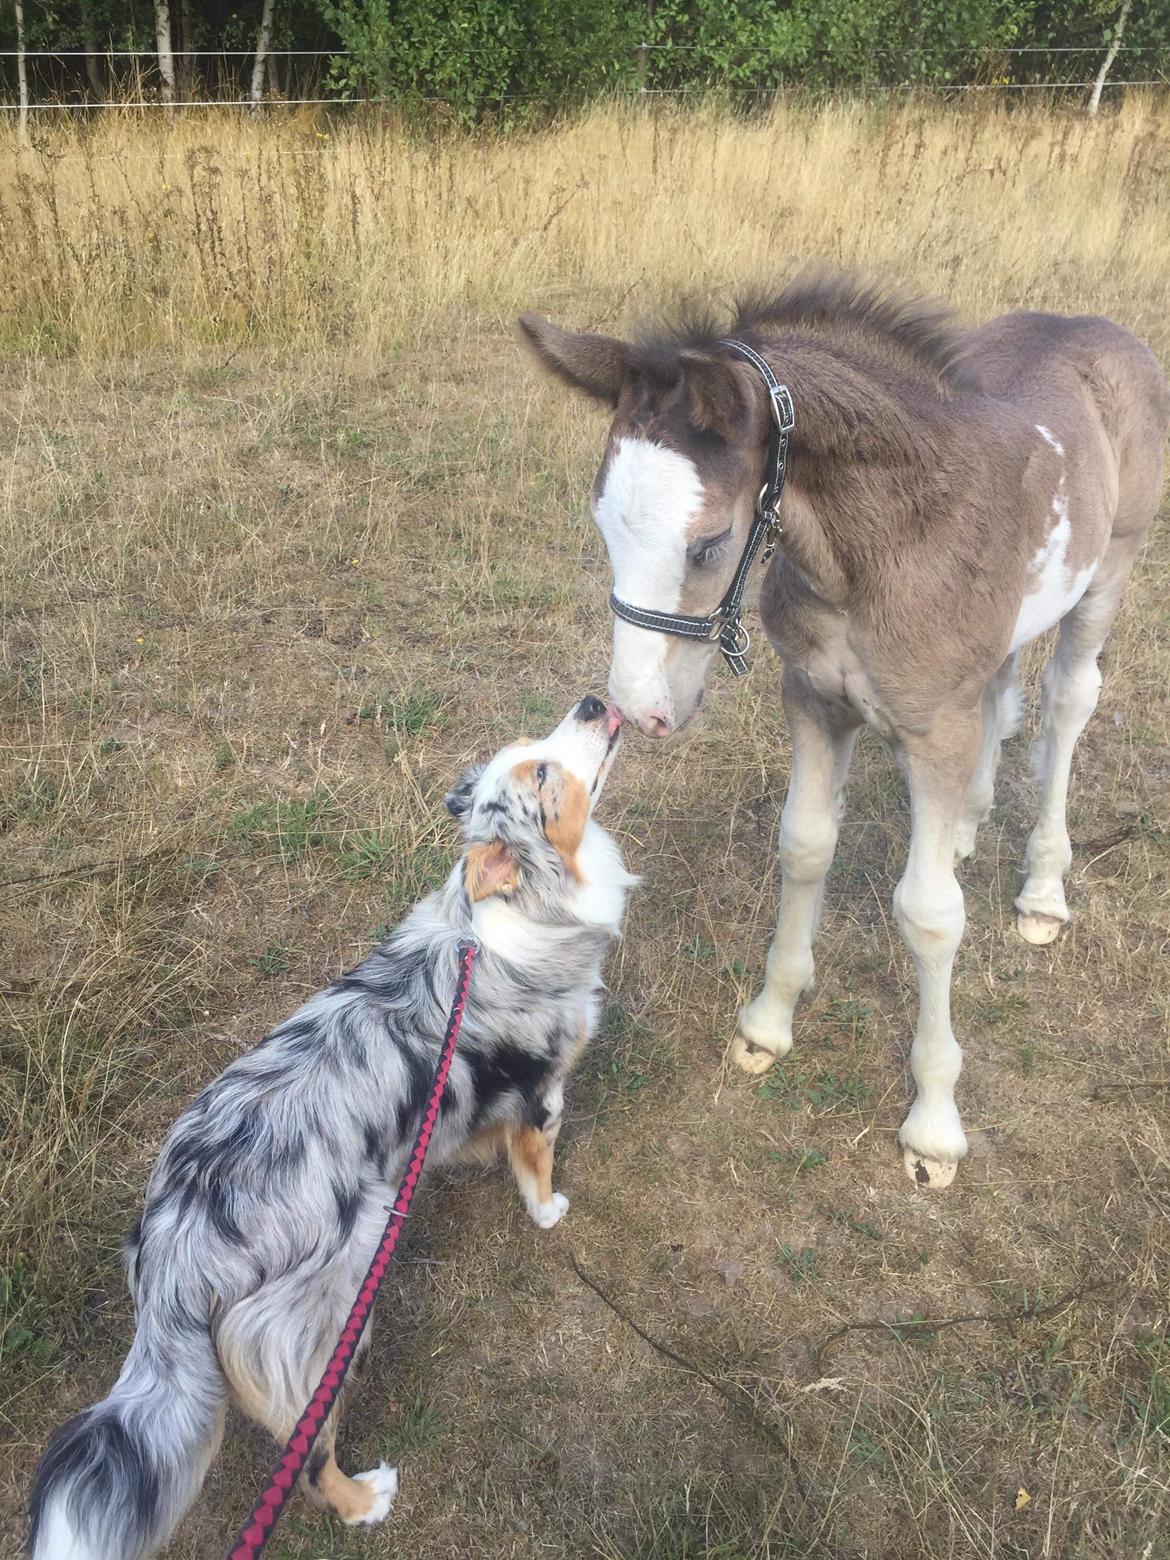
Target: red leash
(257, 1530)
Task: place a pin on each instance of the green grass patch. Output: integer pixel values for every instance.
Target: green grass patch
(846, 1219)
(367, 853)
(20, 1333)
(801, 1264)
(276, 959)
(823, 1091)
(37, 795)
(796, 1160)
(407, 716)
(287, 827)
(418, 1428)
(1152, 1406)
(410, 876)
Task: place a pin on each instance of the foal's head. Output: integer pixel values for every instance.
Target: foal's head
(673, 497)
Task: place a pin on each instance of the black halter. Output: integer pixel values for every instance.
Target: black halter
(724, 624)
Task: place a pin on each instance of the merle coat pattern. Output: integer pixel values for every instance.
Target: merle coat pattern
(271, 1190)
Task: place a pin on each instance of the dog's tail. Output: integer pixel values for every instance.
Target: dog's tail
(115, 1480)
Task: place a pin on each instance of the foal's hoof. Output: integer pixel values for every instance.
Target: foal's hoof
(1037, 929)
(751, 1058)
(383, 1483)
(927, 1172)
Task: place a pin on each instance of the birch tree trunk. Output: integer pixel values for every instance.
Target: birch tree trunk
(1107, 62)
(166, 59)
(21, 70)
(263, 44)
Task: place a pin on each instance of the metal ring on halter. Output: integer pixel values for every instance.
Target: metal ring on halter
(743, 640)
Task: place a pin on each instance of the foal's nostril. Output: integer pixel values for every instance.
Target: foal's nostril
(590, 708)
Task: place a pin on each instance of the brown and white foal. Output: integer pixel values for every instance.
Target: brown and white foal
(950, 496)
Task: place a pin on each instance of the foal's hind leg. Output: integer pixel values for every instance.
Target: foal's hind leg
(821, 750)
(273, 1348)
(1000, 716)
(1072, 682)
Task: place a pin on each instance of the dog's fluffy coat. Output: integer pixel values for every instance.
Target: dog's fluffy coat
(271, 1190)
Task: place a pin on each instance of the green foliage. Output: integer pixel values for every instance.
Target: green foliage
(516, 60)
(482, 55)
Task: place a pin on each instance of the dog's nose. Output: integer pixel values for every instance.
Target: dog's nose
(590, 708)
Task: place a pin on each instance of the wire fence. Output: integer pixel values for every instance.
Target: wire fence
(977, 58)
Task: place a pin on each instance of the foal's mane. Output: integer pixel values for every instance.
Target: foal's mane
(840, 309)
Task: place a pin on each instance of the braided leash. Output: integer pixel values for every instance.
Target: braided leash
(257, 1530)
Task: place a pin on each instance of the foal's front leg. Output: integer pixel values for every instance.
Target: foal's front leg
(928, 903)
(821, 749)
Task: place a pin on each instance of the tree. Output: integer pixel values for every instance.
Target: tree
(263, 44)
(166, 59)
(89, 40)
(21, 69)
(1107, 62)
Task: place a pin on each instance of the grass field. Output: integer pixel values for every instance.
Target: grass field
(289, 531)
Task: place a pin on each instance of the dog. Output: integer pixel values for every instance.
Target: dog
(271, 1190)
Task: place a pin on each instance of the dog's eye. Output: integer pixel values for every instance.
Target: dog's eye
(709, 548)
(541, 773)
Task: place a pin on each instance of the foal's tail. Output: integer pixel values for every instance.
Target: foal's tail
(115, 1480)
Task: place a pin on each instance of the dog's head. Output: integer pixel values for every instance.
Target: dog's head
(526, 814)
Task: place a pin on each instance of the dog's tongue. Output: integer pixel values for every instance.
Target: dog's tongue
(613, 720)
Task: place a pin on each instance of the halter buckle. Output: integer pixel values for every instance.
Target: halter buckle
(735, 642)
(783, 411)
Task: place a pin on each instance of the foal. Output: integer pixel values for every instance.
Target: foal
(950, 496)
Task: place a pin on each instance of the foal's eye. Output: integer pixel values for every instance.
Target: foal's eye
(709, 548)
(541, 773)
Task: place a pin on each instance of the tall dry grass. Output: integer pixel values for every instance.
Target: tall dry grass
(134, 232)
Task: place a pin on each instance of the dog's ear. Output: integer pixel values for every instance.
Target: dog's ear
(458, 798)
(489, 869)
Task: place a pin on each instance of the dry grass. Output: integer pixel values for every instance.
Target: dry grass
(303, 230)
(288, 532)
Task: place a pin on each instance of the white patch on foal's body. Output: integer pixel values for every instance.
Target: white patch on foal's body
(644, 512)
(1052, 587)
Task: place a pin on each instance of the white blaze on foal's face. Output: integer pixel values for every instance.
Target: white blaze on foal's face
(646, 504)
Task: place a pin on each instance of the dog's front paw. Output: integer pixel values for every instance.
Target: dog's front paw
(550, 1213)
(382, 1483)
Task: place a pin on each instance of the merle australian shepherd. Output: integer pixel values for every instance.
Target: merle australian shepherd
(271, 1190)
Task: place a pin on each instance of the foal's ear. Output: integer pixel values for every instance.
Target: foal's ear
(595, 364)
(489, 869)
(722, 397)
(458, 798)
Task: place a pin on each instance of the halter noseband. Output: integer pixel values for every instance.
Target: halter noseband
(724, 625)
